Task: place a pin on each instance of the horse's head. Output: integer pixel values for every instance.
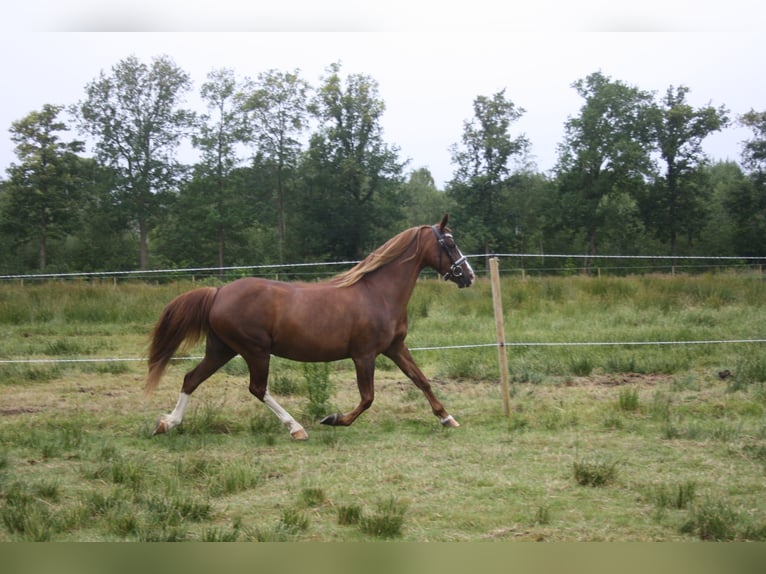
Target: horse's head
(450, 262)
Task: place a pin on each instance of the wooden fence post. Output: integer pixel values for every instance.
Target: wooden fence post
(497, 303)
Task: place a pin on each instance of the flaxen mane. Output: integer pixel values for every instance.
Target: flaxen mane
(386, 253)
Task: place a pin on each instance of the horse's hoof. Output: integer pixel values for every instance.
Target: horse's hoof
(300, 434)
(331, 420)
(162, 427)
(450, 422)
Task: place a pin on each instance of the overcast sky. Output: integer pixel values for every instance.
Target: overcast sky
(430, 64)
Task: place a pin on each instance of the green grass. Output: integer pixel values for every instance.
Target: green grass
(602, 443)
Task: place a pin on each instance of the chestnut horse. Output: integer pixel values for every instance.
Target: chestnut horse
(358, 314)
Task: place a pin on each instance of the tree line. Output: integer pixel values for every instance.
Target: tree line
(287, 171)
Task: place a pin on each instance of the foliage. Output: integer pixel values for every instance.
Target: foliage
(134, 116)
(277, 108)
(287, 171)
(747, 201)
(44, 187)
(481, 189)
(422, 201)
(677, 202)
(349, 171)
(219, 133)
(319, 388)
(605, 157)
(754, 155)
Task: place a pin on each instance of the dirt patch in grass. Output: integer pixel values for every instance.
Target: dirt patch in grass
(619, 379)
(18, 411)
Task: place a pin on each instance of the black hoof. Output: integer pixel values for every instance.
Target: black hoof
(331, 420)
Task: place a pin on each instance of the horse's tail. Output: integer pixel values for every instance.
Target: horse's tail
(184, 320)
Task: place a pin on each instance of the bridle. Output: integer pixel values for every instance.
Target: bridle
(455, 270)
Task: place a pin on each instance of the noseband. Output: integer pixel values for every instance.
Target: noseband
(455, 270)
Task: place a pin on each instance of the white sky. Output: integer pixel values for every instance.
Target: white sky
(430, 61)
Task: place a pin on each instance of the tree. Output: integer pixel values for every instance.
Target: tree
(349, 171)
(43, 188)
(479, 187)
(529, 196)
(422, 202)
(678, 202)
(754, 152)
(220, 130)
(277, 106)
(605, 157)
(746, 203)
(103, 239)
(135, 118)
(720, 235)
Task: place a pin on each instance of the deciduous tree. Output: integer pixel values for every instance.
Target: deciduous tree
(754, 152)
(747, 202)
(351, 175)
(678, 201)
(484, 161)
(43, 188)
(605, 156)
(277, 107)
(135, 116)
(220, 131)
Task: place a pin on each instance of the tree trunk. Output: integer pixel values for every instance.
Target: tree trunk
(592, 249)
(220, 237)
(143, 255)
(281, 211)
(43, 254)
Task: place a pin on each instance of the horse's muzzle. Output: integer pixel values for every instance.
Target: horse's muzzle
(463, 278)
(465, 281)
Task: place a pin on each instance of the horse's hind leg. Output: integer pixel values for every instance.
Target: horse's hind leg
(217, 354)
(259, 376)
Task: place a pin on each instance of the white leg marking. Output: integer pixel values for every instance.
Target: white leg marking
(284, 417)
(449, 421)
(174, 419)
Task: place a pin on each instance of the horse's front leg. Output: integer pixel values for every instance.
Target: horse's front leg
(365, 380)
(400, 354)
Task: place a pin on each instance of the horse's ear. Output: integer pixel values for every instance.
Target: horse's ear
(443, 224)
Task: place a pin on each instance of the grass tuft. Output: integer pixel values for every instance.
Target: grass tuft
(595, 472)
(26, 516)
(349, 514)
(293, 521)
(677, 496)
(628, 400)
(319, 387)
(386, 522)
(311, 497)
(712, 520)
(234, 477)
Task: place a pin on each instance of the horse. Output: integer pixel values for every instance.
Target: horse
(358, 314)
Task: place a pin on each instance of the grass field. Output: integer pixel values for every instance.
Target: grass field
(604, 442)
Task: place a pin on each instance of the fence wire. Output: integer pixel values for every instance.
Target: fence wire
(669, 262)
(743, 261)
(416, 349)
